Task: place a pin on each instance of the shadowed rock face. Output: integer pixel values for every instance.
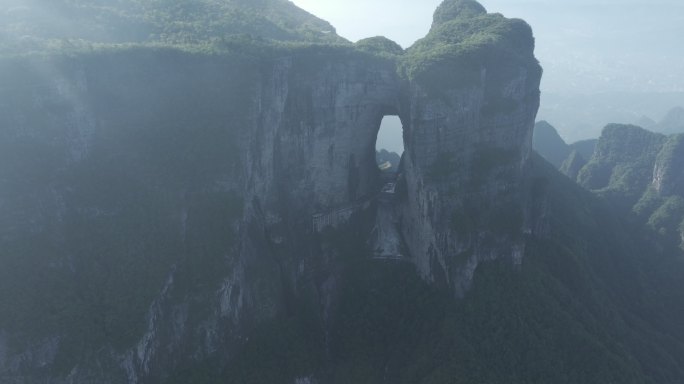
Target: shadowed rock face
(467, 141)
(548, 143)
(282, 137)
(668, 175)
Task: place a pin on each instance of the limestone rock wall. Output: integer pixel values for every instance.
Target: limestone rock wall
(668, 175)
(464, 170)
(313, 146)
(209, 169)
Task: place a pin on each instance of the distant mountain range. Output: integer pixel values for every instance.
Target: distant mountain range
(549, 143)
(582, 116)
(637, 169)
(566, 157)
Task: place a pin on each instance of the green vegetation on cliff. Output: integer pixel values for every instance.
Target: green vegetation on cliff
(594, 302)
(622, 166)
(640, 171)
(38, 25)
(90, 234)
(568, 158)
(380, 45)
(464, 36)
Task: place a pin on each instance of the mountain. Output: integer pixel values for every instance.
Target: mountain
(640, 170)
(39, 25)
(581, 116)
(673, 122)
(573, 164)
(212, 211)
(645, 122)
(384, 158)
(622, 165)
(548, 143)
(567, 158)
(585, 148)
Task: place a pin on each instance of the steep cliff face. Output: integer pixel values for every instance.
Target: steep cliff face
(122, 192)
(668, 186)
(314, 150)
(208, 214)
(163, 202)
(467, 141)
(201, 179)
(548, 143)
(623, 162)
(572, 166)
(468, 137)
(668, 175)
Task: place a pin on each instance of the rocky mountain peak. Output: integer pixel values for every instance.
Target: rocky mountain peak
(379, 44)
(573, 164)
(550, 144)
(455, 9)
(39, 25)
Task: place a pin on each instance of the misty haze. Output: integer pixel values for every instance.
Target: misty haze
(338, 192)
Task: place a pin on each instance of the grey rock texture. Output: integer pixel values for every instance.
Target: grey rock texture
(211, 168)
(572, 166)
(668, 174)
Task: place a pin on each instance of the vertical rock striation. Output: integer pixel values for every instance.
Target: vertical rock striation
(640, 171)
(668, 174)
(179, 187)
(472, 101)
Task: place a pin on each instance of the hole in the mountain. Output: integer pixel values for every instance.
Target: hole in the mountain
(389, 145)
(389, 148)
